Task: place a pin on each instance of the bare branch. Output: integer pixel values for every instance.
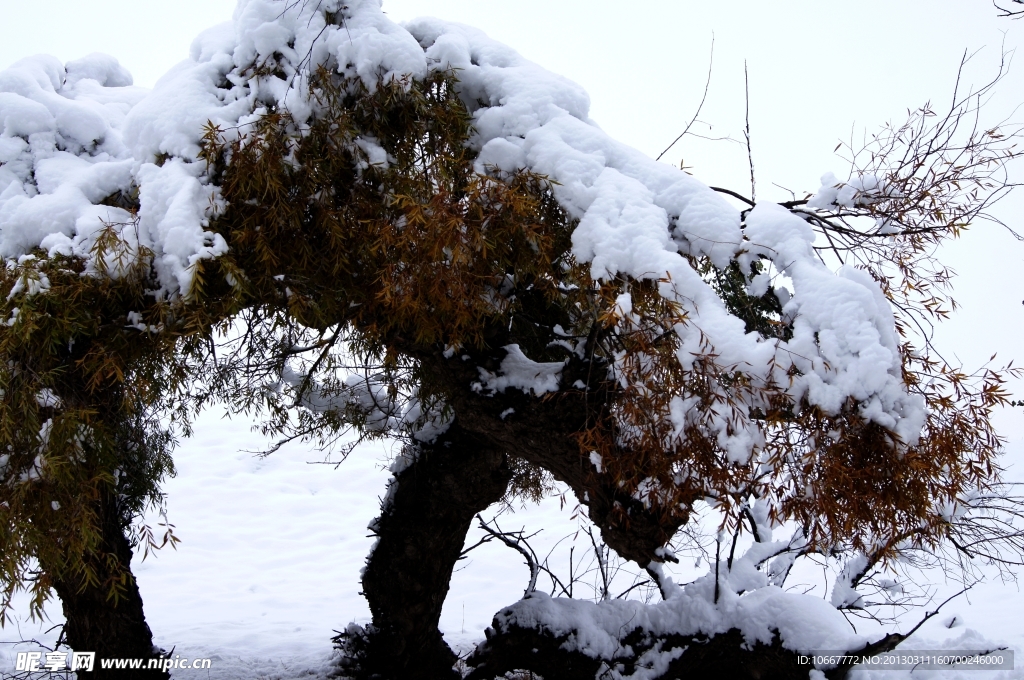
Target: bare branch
(707, 84)
(1009, 12)
(746, 133)
(517, 542)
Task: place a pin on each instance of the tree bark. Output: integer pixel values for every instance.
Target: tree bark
(421, 532)
(94, 622)
(543, 431)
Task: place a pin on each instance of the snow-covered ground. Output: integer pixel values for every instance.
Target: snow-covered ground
(271, 550)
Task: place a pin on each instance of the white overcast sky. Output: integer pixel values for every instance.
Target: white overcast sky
(819, 70)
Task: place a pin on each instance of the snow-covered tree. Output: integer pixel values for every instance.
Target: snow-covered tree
(412, 231)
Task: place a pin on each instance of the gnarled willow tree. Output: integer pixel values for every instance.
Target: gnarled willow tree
(417, 234)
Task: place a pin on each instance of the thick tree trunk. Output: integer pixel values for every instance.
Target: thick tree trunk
(421, 532)
(432, 502)
(95, 623)
(543, 431)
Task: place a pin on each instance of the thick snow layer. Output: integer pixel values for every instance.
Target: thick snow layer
(272, 548)
(844, 339)
(804, 623)
(60, 152)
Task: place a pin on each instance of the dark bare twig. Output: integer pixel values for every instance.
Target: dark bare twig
(746, 134)
(1011, 13)
(737, 196)
(638, 584)
(64, 674)
(911, 187)
(707, 84)
(889, 642)
(602, 563)
(516, 541)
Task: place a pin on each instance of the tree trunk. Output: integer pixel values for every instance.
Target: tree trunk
(421, 532)
(95, 623)
(543, 431)
(431, 503)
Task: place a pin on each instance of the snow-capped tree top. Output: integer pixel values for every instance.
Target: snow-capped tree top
(76, 137)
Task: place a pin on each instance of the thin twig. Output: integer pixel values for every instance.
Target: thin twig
(707, 85)
(746, 133)
(531, 559)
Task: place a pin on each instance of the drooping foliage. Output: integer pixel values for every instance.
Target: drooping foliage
(374, 218)
(369, 241)
(85, 388)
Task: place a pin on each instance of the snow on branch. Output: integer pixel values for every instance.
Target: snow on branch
(637, 218)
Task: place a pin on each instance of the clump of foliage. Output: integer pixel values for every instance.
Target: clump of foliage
(84, 385)
(372, 242)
